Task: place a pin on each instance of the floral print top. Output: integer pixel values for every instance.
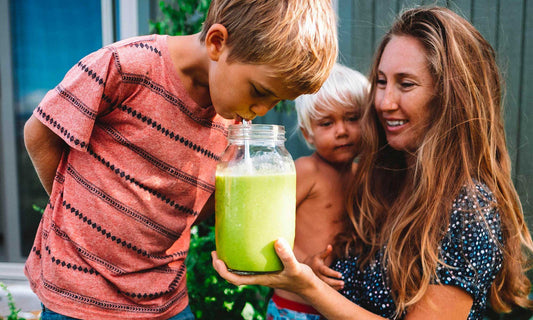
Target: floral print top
(470, 251)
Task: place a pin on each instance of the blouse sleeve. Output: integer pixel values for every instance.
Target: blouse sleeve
(470, 252)
(88, 89)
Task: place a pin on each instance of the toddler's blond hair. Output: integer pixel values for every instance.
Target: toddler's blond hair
(345, 88)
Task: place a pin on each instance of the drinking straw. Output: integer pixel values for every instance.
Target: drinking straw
(247, 159)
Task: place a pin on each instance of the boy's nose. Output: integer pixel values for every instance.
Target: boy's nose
(262, 109)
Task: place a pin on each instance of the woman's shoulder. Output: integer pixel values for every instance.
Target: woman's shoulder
(475, 209)
(471, 251)
(475, 213)
(475, 196)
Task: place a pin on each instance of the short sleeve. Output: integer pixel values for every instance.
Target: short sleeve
(470, 252)
(87, 90)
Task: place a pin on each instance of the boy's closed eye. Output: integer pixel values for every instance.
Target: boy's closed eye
(257, 93)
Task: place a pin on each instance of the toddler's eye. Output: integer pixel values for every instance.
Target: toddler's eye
(325, 123)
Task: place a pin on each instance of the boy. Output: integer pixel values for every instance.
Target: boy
(126, 146)
(329, 122)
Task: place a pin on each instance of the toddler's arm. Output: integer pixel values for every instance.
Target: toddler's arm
(45, 149)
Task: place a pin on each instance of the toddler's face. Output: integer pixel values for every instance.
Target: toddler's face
(244, 91)
(336, 134)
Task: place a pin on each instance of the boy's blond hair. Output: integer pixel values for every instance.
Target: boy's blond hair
(345, 88)
(297, 38)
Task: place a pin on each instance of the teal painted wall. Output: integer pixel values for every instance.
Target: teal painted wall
(506, 24)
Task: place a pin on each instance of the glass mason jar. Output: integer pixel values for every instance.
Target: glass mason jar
(255, 198)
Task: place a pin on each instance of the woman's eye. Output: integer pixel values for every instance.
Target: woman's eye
(381, 82)
(407, 85)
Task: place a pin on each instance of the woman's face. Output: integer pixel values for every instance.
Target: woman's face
(404, 91)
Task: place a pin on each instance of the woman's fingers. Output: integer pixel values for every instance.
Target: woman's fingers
(285, 254)
(222, 270)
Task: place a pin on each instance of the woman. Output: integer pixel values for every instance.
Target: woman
(435, 226)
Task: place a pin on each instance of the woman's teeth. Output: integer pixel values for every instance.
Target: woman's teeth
(396, 123)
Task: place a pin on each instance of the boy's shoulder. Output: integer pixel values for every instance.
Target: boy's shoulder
(139, 52)
(143, 42)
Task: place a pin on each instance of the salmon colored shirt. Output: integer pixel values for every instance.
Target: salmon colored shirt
(113, 239)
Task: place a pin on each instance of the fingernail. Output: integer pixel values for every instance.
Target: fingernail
(283, 241)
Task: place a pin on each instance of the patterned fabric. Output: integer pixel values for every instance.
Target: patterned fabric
(283, 309)
(114, 236)
(470, 251)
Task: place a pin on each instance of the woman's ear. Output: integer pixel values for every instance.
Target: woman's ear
(216, 41)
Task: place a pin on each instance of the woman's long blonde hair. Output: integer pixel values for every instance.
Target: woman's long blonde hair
(408, 209)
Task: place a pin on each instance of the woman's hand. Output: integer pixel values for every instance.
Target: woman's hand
(295, 277)
(300, 279)
(325, 273)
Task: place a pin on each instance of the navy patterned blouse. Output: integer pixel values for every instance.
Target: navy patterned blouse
(470, 249)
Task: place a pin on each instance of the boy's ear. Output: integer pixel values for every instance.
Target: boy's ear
(216, 41)
(308, 137)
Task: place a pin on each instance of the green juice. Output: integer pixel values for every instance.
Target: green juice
(251, 213)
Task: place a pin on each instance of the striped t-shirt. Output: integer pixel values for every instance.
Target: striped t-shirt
(114, 236)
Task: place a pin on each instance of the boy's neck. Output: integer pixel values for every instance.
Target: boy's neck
(191, 62)
(338, 166)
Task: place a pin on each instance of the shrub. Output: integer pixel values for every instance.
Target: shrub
(13, 311)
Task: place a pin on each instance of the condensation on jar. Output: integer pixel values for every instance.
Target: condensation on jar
(255, 198)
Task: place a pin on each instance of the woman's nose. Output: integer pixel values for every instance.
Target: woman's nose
(389, 102)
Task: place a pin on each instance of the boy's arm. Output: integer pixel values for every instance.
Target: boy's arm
(45, 149)
(305, 177)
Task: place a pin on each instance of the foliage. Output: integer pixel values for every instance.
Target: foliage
(212, 297)
(180, 17)
(37, 209)
(13, 311)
